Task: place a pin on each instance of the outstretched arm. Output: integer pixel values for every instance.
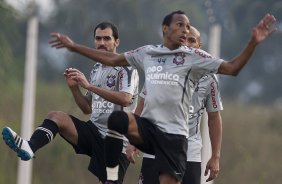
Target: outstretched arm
(259, 34)
(215, 131)
(107, 58)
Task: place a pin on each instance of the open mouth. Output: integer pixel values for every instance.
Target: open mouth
(182, 38)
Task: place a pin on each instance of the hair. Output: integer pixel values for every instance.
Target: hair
(168, 18)
(197, 33)
(104, 25)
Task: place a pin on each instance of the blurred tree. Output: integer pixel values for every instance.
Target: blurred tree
(10, 41)
(139, 23)
(260, 82)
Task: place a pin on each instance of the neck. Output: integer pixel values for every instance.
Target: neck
(171, 46)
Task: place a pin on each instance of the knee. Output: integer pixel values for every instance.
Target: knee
(118, 121)
(56, 116)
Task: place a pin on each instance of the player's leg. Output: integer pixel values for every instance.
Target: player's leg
(168, 179)
(123, 166)
(149, 173)
(55, 122)
(192, 173)
(171, 156)
(120, 123)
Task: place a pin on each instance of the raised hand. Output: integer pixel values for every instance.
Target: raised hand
(75, 77)
(264, 28)
(72, 83)
(61, 41)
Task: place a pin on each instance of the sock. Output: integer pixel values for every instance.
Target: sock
(113, 151)
(43, 135)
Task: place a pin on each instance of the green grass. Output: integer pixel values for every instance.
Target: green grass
(251, 145)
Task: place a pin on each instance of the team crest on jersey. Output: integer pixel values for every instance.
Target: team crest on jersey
(179, 58)
(111, 80)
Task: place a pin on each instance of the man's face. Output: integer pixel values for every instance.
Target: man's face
(176, 33)
(193, 40)
(104, 40)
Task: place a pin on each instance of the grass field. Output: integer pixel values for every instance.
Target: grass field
(250, 154)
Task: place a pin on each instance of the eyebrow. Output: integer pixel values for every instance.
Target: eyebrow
(103, 37)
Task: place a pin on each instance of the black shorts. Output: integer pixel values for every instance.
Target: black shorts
(91, 143)
(149, 173)
(169, 149)
(192, 173)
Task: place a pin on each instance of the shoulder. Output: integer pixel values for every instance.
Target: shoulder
(202, 53)
(144, 48)
(96, 67)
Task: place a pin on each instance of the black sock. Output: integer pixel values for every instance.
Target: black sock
(43, 134)
(114, 144)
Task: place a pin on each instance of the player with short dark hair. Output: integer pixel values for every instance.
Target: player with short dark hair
(108, 89)
(162, 129)
(206, 95)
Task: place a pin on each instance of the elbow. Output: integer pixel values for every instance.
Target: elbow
(125, 103)
(86, 111)
(234, 73)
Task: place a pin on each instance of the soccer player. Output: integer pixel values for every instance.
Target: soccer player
(163, 130)
(206, 95)
(108, 89)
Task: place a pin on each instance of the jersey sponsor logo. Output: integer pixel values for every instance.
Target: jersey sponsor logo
(214, 104)
(155, 75)
(179, 58)
(202, 54)
(102, 106)
(191, 112)
(111, 80)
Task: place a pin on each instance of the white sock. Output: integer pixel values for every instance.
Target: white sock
(112, 173)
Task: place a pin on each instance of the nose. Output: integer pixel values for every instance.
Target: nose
(186, 30)
(101, 42)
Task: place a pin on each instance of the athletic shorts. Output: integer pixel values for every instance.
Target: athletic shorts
(91, 143)
(169, 149)
(149, 173)
(192, 173)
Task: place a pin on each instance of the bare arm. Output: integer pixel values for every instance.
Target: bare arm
(215, 131)
(259, 34)
(140, 106)
(81, 100)
(104, 57)
(83, 103)
(131, 151)
(116, 97)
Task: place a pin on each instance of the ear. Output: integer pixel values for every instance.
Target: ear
(117, 42)
(164, 29)
(200, 44)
